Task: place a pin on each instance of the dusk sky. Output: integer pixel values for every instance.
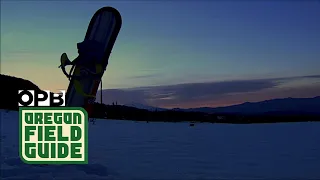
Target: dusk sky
(174, 53)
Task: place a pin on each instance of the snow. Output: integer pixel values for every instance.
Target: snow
(139, 150)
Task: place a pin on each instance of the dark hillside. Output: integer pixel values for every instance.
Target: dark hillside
(9, 90)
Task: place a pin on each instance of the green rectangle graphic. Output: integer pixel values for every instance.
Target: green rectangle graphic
(53, 135)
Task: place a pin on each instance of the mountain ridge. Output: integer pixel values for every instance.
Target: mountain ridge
(278, 105)
(289, 105)
(143, 106)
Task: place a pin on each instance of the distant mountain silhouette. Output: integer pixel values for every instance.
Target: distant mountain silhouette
(274, 106)
(146, 107)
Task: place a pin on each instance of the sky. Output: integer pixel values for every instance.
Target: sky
(174, 53)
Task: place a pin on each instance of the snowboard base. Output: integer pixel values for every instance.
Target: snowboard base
(103, 28)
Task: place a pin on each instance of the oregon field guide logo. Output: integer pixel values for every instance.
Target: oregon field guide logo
(53, 135)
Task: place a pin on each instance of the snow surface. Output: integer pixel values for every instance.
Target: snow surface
(139, 150)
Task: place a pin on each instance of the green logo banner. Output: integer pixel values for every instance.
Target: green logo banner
(53, 135)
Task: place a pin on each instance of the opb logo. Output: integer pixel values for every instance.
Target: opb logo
(41, 98)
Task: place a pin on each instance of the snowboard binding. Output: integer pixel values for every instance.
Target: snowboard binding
(78, 74)
(89, 51)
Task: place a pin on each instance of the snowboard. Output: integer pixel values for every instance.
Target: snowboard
(103, 30)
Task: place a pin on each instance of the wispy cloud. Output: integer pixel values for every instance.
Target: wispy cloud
(295, 77)
(145, 76)
(211, 93)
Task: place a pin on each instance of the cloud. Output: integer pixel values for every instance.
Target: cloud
(209, 93)
(145, 76)
(295, 78)
(122, 96)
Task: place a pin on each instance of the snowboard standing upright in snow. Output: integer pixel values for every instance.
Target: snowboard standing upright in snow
(88, 68)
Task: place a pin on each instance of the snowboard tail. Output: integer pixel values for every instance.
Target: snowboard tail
(88, 68)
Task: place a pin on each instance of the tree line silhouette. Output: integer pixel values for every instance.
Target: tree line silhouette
(9, 100)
